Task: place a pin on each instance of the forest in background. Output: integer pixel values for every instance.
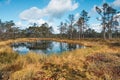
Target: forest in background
(71, 29)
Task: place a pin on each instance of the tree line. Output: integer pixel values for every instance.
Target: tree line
(70, 29)
(80, 28)
(8, 30)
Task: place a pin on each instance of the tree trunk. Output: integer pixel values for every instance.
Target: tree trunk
(104, 34)
(109, 33)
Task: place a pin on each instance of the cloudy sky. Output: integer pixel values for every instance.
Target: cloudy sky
(27, 12)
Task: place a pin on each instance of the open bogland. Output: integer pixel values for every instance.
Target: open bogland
(100, 60)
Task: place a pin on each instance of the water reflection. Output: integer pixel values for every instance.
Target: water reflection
(44, 47)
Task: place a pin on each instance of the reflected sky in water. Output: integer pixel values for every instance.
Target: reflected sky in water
(46, 47)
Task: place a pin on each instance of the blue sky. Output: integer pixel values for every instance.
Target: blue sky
(26, 12)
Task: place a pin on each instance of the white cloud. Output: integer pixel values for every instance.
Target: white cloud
(55, 9)
(92, 11)
(97, 27)
(94, 8)
(116, 3)
(23, 25)
(20, 25)
(117, 17)
(32, 13)
(38, 22)
(77, 16)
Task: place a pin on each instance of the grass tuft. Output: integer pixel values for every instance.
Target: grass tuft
(100, 60)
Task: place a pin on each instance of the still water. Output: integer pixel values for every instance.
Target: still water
(46, 47)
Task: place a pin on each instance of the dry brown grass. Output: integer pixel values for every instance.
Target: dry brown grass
(99, 61)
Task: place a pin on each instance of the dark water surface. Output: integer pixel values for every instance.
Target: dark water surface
(46, 47)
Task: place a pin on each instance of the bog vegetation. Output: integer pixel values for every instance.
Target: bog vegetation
(99, 61)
